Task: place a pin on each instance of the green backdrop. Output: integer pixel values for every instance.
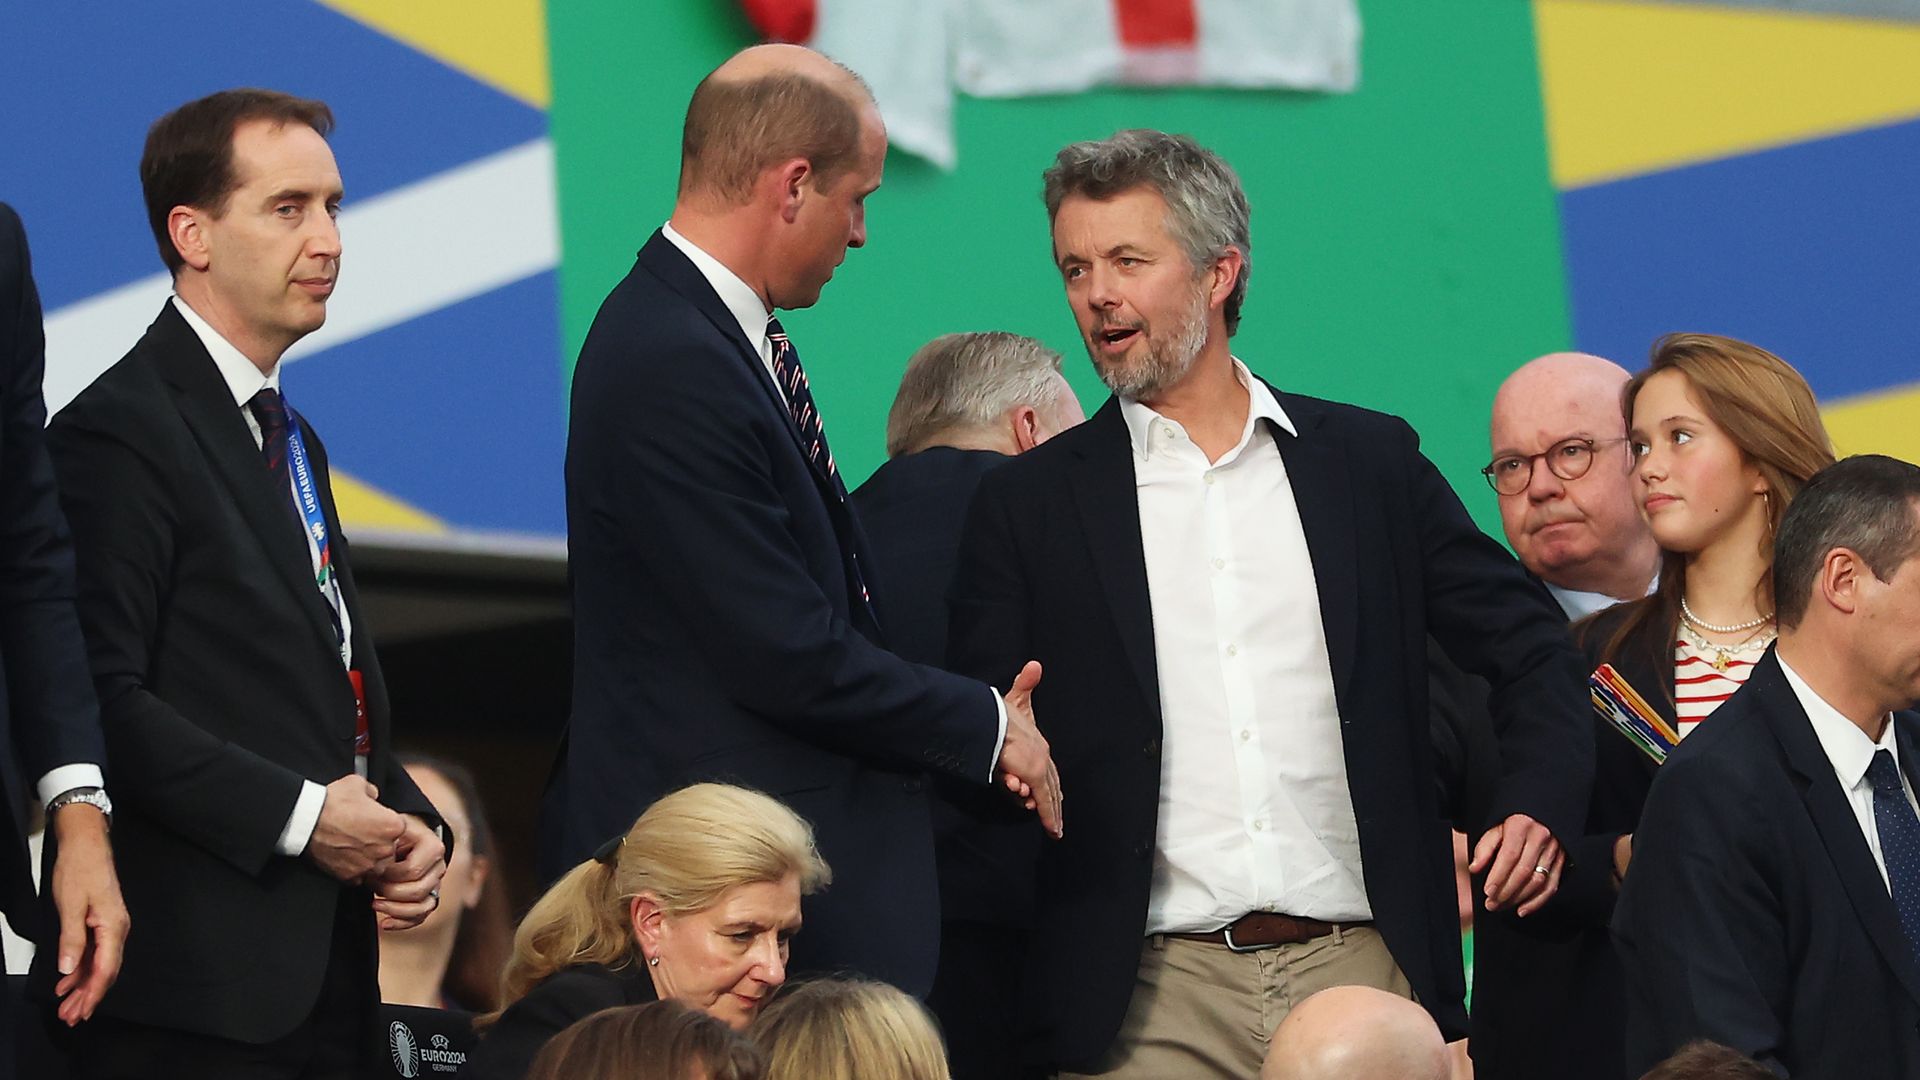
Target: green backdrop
(1405, 237)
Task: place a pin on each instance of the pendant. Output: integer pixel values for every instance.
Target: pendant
(1723, 662)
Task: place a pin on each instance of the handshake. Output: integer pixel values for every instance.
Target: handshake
(1026, 762)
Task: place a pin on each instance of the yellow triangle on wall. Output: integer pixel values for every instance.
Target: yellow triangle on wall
(1883, 423)
(1635, 87)
(363, 506)
(502, 43)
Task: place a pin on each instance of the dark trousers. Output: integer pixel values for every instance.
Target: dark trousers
(976, 997)
(335, 1042)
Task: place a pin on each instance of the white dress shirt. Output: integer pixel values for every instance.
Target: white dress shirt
(244, 380)
(1578, 605)
(752, 314)
(1255, 809)
(1850, 752)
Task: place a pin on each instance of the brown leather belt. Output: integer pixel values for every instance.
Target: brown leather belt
(1264, 930)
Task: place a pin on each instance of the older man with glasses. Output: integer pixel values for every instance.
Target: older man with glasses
(1575, 523)
(1561, 470)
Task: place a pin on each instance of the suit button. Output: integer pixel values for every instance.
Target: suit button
(1142, 850)
(1150, 747)
(912, 787)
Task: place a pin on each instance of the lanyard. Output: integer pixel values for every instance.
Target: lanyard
(307, 496)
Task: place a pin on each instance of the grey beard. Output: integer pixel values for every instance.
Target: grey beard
(1166, 363)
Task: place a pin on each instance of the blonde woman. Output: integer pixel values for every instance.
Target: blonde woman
(695, 904)
(849, 1029)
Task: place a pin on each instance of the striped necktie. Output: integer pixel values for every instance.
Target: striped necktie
(806, 417)
(813, 433)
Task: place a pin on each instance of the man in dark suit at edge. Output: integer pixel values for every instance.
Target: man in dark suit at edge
(722, 617)
(48, 720)
(264, 827)
(1232, 590)
(1773, 903)
(966, 404)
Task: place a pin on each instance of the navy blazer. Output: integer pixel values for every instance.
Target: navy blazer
(221, 690)
(719, 633)
(47, 712)
(1753, 913)
(912, 509)
(1052, 567)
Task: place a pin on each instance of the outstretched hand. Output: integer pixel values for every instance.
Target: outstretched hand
(1026, 761)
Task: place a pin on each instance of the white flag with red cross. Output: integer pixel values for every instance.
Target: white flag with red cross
(915, 52)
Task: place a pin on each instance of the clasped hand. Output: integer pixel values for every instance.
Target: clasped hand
(360, 841)
(1526, 863)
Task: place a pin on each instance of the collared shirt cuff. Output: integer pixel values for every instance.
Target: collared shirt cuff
(1000, 740)
(300, 823)
(65, 778)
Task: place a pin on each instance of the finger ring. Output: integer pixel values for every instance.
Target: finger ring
(1537, 870)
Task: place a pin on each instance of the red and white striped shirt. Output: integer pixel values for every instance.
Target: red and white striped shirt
(1705, 677)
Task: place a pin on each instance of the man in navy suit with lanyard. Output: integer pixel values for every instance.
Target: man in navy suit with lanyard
(723, 625)
(264, 827)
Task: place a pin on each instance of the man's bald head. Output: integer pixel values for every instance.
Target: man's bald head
(1580, 384)
(1357, 1033)
(1585, 534)
(766, 105)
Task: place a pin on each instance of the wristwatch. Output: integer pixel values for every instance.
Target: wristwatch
(92, 796)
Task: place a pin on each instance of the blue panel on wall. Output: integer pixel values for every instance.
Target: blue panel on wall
(109, 70)
(468, 420)
(1811, 250)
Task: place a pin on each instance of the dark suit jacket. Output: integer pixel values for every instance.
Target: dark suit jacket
(1052, 567)
(1753, 913)
(1548, 997)
(507, 1049)
(47, 712)
(220, 689)
(913, 508)
(719, 632)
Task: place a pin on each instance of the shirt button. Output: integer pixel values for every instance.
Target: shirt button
(1246, 736)
(1233, 650)
(1209, 478)
(1219, 564)
(1260, 825)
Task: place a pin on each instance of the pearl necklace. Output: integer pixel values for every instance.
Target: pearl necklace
(1734, 629)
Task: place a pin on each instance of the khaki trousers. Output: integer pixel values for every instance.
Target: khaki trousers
(1200, 1010)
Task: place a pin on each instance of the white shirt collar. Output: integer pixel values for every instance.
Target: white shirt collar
(1261, 404)
(1578, 605)
(744, 304)
(243, 377)
(1847, 747)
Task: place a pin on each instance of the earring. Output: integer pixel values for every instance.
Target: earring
(653, 961)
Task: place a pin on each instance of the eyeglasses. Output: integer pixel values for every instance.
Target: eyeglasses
(1568, 459)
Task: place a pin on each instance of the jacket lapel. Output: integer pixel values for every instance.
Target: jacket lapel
(1834, 819)
(207, 406)
(671, 265)
(1104, 493)
(1322, 485)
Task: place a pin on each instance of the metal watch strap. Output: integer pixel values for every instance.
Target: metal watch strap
(92, 796)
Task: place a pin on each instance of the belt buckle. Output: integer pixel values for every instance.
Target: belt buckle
(1231, 947)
